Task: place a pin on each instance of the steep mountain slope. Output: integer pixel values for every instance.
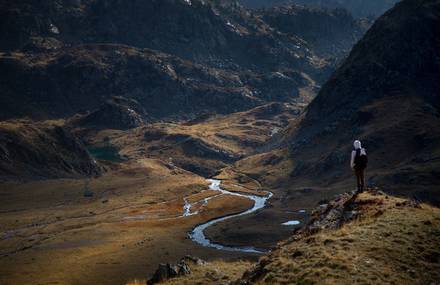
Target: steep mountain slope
(31, 150)
(330, 33)
(386, 94)
(202, 31)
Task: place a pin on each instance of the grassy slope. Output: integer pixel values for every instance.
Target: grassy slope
(203, 146)
(392, 241)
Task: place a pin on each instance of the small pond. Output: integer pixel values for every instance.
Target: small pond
(108, 153)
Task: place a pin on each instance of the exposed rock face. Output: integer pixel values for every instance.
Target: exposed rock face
(386, 95)
(41, 150)
(116, 113)
(330, 33)
(167, 271)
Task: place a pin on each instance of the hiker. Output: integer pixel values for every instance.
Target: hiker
(358, 163)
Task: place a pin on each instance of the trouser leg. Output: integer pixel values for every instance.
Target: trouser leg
(359, 179)
(362, 179)
(356, 174)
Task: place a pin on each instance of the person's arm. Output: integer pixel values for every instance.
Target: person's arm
(353, 155)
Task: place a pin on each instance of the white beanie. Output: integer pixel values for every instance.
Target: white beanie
(357, 144)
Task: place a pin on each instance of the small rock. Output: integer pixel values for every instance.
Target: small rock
(167, 271)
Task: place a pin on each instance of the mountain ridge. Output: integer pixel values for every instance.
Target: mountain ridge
(233, 60)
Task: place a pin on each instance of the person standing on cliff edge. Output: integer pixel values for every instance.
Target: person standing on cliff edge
(358, 163)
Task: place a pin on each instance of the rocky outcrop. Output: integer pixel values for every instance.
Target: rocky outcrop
(331, 33)
(333, 214)
(117, 113)
(167, 271)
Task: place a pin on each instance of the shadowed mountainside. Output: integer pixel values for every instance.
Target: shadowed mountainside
(386, 95)
(176, 58)
(333, 39)
(31, 150)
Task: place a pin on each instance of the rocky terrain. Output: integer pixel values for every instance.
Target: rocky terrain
(115, 114)
(177, 60)
(331, 40)
(359, 8)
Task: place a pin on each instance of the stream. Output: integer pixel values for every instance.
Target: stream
(197, 234)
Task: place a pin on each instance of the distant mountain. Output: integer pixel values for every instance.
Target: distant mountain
(334, 38)
(359, 8)
(176, 58)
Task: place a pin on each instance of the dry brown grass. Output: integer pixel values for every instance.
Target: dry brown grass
(392, 243)
(236, 135)
(130, 225)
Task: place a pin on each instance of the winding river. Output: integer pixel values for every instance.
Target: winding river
(198, 235)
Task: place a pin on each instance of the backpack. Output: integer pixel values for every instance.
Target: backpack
(360, 160)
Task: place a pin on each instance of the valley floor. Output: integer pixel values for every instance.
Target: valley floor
(117, 228)
(133, 221)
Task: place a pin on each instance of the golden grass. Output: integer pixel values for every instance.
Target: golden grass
(392, 243)
(130, 225)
